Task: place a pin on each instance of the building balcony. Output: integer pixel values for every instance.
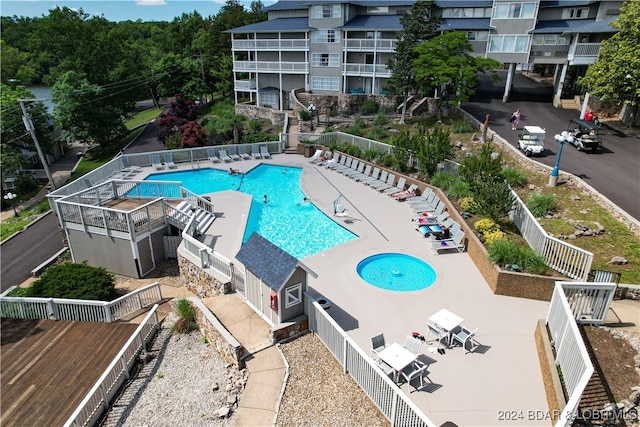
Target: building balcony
(367, 70)
(244, 84)
(271, 44)
(271, 67)
(583, 53)
(370, 45)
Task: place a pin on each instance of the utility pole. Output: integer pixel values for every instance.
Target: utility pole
(28, 124)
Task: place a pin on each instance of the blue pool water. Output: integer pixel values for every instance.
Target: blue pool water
(285, 220)
(396, 272)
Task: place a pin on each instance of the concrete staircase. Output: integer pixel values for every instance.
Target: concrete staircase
(570, 104)
(182, 213)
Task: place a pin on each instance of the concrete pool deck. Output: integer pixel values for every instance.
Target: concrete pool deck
(473, 389)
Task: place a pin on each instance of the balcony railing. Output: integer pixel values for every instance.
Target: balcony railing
(297, 44)
(587, 49)
(245, 84)
(367, 70)
(379, 45)
(268, 66)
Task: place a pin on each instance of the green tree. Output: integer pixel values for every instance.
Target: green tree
(615, 76)
(418, 24)
(444, 63)
(75, 281)
(435, 146)
(15, 65)
(83, 109)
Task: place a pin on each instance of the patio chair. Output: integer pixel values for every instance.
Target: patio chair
(440, 334)
(386, 368)
(346, 165)
(437, 210)
(264, 152)
(397, 189)
(255, 150)
(454, 243)
(377, 344)
(155, 161)
(242, 151)
(168, 161)
(464, 336)
(383, 177)
(212, 155)
(365, 174)
(387, 184)
(403, 195)
(357, 170)
(373, 177)
(232, 153)
(224, 156)
(415, 369)
(315, 156)
(412, 344)
(338, 163)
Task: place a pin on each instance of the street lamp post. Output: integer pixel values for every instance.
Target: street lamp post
(563, 138)
(10, 197)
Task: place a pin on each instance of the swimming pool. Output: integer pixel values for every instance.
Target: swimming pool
(396, 272)
(285, 220)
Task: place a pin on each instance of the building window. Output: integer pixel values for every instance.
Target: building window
(325, 60)
(377, 9)
(509, 44)
(575, 13)
(478, 36)
(325, 11)
(268, 99)
(293, 296)
(467, 12)
(325, 36)
(514, 10)
(550, 39)
(325, 83)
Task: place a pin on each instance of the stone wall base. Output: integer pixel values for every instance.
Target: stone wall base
(550, 377)
(286, 330)
(201, 283)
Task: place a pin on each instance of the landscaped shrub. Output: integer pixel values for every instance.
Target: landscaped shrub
(458, 189)
(486, 225)
(354, 151)
(492, 237)
(75, 281)
(502, 252)
(186, 317)
(369, 107)
(442, 180)
(506, 252)
(304, 115)
(370, 154)
(380, 120)
(542, 204)
(359, 123)
(329, 130)
(462, 126)
(377, 134)
(466, 203)
(534, 263)
(514, 176)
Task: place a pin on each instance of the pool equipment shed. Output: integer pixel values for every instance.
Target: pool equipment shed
(275, 281)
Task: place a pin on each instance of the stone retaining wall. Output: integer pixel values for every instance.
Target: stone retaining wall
(252, 111)
(200, 282)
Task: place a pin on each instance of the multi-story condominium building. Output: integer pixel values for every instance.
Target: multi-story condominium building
(329, 46)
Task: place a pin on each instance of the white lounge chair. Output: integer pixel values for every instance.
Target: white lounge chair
(344, 166)
(454, 243)
(264, 152)
(397, 189)
(341, 162)
(242, 151)
(212, 155)
(387, 184)
(403, 195)
(233, 154)
(168, 161)
(315, 156)
(365, 174)
(383, 177)
(155, 161)
(255, 150)
(374, 177)
(356, 168)
(224, 156)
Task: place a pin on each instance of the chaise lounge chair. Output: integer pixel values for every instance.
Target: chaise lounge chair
(315, 156)
(233, 154)
(168, 161)
(264, 152)
(224, 156)
(212, 155)
(372, 178)
(387, 184)
(365, 174)
(242, 151)
(454, 243)
(397, 189)
(155, 161)
(403, 195)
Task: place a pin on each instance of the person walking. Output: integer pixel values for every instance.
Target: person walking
(515, 119)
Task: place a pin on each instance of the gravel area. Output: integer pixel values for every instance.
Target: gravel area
(318, 393)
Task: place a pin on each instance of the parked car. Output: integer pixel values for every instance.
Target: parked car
(586, 134)
(531, 141)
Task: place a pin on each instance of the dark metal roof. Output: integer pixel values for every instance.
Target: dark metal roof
(575, 26)
(267, 261)
(304, 4)
(371, 22)
(465, 24)
(275, 25)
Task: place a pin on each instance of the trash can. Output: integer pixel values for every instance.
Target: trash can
(308, 150)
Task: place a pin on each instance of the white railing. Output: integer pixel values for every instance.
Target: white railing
(393, 403)
(567, 259)
(380, 45)
(99, 397)
(282, 44)
(271, 66)
(571, 355)
(587, 49)
(244, 84)
(589, 302)
(359, 69)
(80, 310)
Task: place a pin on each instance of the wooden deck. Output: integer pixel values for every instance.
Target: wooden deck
(49, 366)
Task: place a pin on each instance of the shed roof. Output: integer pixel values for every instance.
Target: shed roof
(268, 262)
(465, 24)
(274, 25)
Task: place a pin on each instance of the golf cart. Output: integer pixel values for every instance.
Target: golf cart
(531, 141)
(586, 134)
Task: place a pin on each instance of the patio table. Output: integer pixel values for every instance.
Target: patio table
(398, 357)
(446, 320)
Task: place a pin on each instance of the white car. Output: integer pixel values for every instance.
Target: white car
(531, 141)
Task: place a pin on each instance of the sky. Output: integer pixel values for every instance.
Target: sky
(119, 10)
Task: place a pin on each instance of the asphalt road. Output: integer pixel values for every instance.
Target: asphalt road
(24, 252)
(614, 171)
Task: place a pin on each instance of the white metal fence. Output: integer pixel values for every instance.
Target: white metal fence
(99, 397)
(80, 310)
(571, 355)
(589, 302)
(395, 405)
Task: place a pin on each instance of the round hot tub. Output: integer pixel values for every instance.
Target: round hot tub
(396, 272)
